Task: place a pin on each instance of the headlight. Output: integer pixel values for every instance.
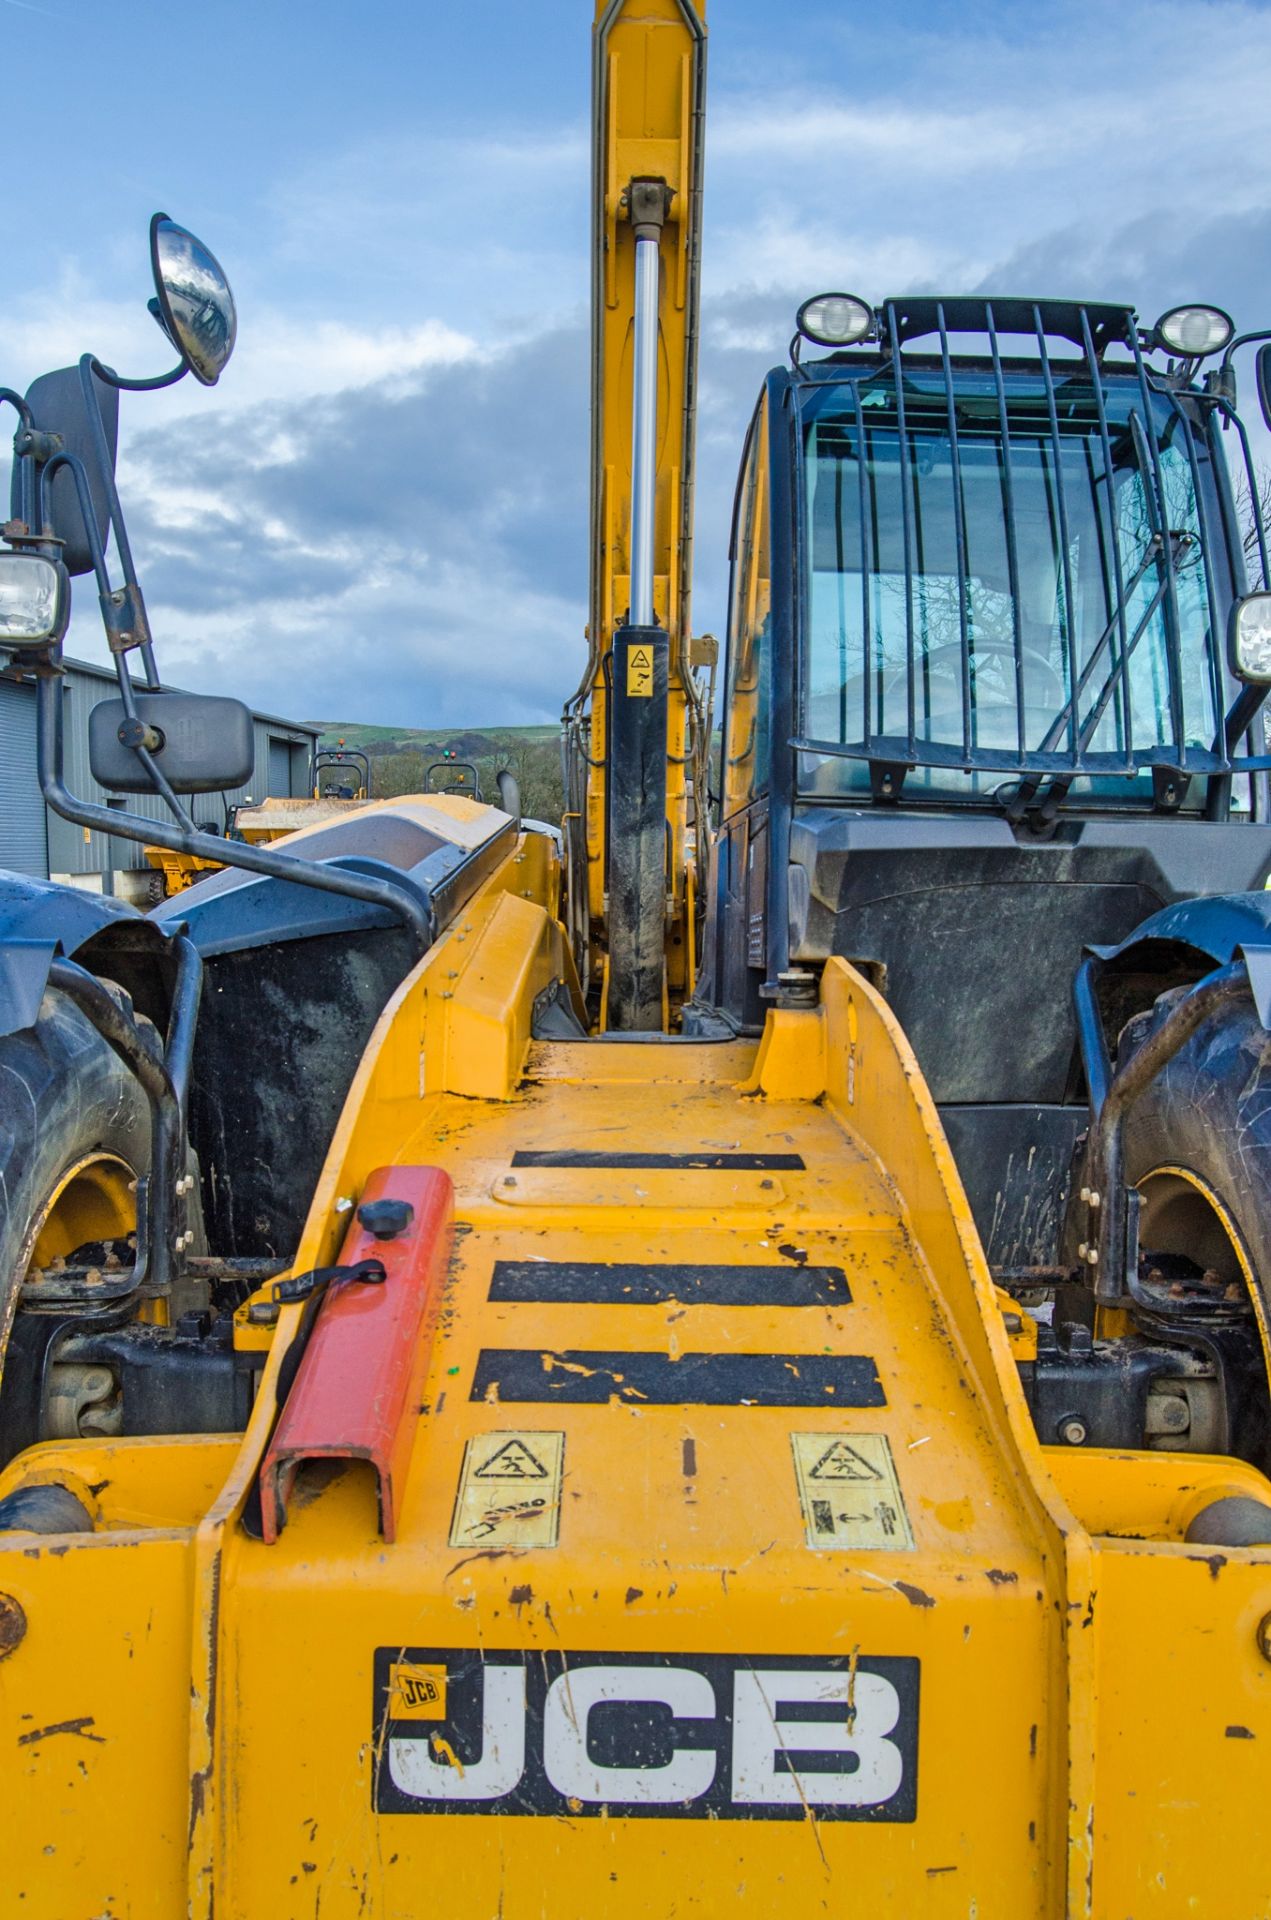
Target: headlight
(1194, 331)
(34, 603)
(1249, 639)
(835, 320)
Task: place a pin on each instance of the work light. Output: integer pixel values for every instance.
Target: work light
(1249, 639)
(34, 603)
(835, 320)
(1194, 331)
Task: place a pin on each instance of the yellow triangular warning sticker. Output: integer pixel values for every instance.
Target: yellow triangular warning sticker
(513, 1461)
(843, 1462)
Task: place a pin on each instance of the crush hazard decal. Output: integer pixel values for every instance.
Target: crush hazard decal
(705, 1736)
(849, 1491)
(509, 1491)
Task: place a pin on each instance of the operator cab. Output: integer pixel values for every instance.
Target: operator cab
(979, 704)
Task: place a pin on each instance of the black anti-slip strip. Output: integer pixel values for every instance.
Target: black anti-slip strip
(707, 1162)
(639, 1284)
(534, 1375)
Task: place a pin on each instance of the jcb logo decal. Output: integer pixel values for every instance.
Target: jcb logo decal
(676, 1736)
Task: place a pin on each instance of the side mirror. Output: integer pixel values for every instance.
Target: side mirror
(1264, 381)
(193, 303)
(201, 743)
(509, 792)
(1249, 638)
(57, 405)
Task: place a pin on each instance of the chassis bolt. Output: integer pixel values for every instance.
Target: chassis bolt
(12, 1624)
(1073, 1432)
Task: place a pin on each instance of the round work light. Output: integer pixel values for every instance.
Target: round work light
(835, 320)
(1194, 331)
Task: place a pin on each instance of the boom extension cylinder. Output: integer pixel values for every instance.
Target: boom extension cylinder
(648, 201)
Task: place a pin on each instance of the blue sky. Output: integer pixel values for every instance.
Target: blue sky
(380, 513)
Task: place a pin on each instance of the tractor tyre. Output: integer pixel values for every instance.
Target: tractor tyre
(1198, 1149)
(74, 1133)
(1198, 1143)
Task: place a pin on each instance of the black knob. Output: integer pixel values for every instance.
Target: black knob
(386, 1218)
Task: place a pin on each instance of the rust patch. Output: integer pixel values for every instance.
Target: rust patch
(521, 1596)
(914, 1595)
(1000, 1577)
(1240, 1733)
(12, 1624)
(1214, 1561)
(79, 1726)
(634, 1593)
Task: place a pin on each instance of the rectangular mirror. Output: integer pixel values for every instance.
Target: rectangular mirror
(208, 743)
(1263, 364)
(57, 402)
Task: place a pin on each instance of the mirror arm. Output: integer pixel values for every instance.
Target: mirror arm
(75, 467)
(26, 426)
(154, 773)
(113, 379)
(1243, 340)
(395, 898)
(127, 614)
(1243, 710)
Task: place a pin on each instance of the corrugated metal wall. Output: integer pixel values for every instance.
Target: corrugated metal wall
(22, 835)
(282, 763)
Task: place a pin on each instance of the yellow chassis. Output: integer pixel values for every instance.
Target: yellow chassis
(1057, 1705)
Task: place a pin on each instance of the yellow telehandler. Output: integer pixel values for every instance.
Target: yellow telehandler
(717, 1357)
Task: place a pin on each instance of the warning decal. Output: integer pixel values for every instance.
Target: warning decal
(513, 1461)
(509, 1491)
(849, 1492)
(639, 671)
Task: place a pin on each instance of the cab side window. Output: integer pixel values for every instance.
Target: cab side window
(747, 744)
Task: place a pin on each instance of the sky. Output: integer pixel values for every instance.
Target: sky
(380, 513)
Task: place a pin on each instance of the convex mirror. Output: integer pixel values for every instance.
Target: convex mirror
(205, 743)
(193, 303)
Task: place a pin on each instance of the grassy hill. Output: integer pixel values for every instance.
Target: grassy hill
(400, 758)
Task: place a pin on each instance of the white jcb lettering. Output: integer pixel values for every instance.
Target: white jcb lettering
(567, 1760)
(769, 1739)
(416, 1770)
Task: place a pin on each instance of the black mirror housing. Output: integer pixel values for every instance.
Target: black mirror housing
(1263, 364)
(57, 405)
(208, 743)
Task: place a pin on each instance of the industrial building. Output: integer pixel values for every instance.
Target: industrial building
(34, 839)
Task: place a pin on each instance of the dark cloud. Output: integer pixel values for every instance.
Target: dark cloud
(413, 550)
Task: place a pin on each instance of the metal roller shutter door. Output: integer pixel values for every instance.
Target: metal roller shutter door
(23, 827)
(279, 767)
